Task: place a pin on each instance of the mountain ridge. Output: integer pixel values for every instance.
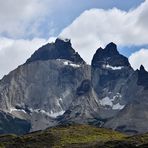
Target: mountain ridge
(61, 49)
(56, 86)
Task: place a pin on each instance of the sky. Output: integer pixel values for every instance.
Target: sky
(28, 24)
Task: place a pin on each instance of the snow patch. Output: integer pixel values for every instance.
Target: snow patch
(71, 64)
(106, 101)
(68, 63)
(118, 95)
(74, 65)
(54, 115)
(50, 114)
(60, 99)
(118, 106)
(110, 102)
(64, 39)
(113, 67)
(12, 109)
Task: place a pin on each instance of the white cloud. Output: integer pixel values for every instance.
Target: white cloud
(21, 18)
(15, 52)
(139, 58)
(98, 27)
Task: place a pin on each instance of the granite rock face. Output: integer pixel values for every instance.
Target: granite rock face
(44, 87)
(56, 86)
(109, 73)
(133, 118)
(84, 109)
(122, 91)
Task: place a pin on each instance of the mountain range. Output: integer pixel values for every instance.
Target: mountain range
(55, 86)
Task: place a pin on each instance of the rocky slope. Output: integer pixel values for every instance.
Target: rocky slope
(122, 91)
(134, 117)
(84, 109)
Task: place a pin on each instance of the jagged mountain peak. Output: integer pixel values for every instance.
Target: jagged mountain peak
(61, 49)
(111, 44)
(62, 40)
(142, 68)
(143, 77)
(109, 56)
(111, 48)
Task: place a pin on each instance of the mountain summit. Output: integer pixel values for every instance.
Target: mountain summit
(111, 49)
(109, 56)
(61, 49)
(143, 77)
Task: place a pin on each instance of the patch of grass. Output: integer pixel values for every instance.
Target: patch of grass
(84, 134)
(73, 136)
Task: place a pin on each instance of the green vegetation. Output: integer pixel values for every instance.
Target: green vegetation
(82, 134)
(73, 136)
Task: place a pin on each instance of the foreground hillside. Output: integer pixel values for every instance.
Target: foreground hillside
(74, 136)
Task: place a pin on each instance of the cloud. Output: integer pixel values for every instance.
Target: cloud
(98, 27)
(22, 18)
(139, 58)
(16, 52)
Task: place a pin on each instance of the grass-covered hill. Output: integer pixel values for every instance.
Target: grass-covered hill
(74, 136)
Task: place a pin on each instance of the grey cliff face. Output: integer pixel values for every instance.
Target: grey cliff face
(41, 90)
(133, 118)
(109, 73)
(55, 86)
(122, 91)
(84, 109)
